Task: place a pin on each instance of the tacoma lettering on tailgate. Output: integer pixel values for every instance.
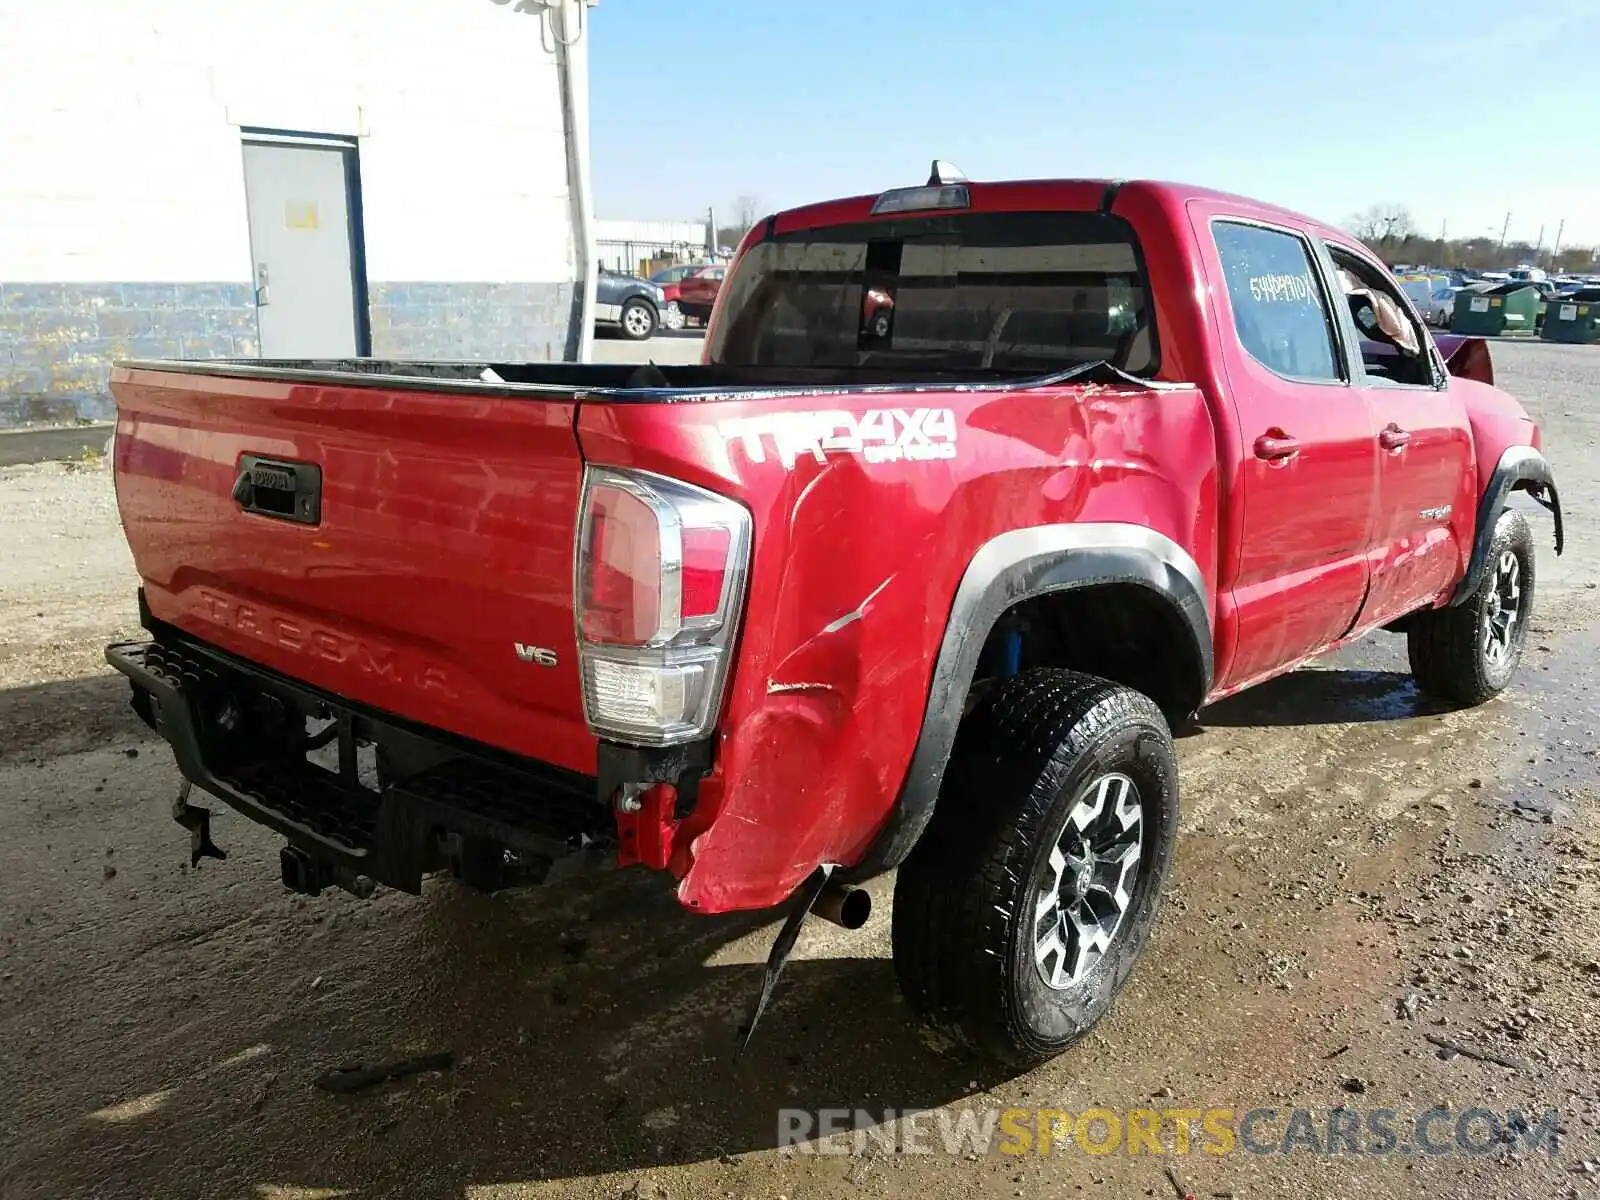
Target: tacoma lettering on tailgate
(302, 637)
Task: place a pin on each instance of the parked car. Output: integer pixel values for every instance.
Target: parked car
(877, 313)
(697, 291)
(671, 314)
(669, 279)
(1420, 288)
(819, 607)
(688, 292)
(1440, 306)
(627, 302)
(672, 274)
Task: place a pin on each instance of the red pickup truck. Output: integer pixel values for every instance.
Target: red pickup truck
(979, 490)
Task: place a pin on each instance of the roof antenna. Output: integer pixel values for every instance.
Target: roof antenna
(945, 172)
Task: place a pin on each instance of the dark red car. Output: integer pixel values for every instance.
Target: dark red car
(688, 292)
(697, 291)
(980, 488)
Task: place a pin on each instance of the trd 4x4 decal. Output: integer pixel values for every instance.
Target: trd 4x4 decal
(878, 435)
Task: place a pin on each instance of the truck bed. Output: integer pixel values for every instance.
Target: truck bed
(653, 383)
(436, 542)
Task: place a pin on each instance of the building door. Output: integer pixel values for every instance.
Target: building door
(305, 240)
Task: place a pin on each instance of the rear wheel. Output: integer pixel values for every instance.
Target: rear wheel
(1029, 898)
(638, 320)
(1469, 652)
(672, 317)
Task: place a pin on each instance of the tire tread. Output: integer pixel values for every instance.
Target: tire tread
(1443, 644)
(951, 925)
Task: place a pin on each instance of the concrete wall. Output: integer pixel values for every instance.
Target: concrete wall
(500, 321)
(123, 227)
(58, 339)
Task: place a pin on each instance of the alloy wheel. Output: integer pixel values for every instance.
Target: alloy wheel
(1504, 610)
(1088, 889)
(637, 321)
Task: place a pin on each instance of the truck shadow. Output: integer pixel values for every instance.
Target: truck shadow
(592, 1028)
(66, 715)
(1321, 696)
(177, 1022)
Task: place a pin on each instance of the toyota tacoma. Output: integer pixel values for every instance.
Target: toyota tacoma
(980, 490)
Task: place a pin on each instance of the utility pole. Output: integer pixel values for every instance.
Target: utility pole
(711, 232)
(565, 30)
(1555, 250)
(1504, 229)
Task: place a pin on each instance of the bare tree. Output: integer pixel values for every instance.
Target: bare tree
(1575, 258)
(1382, 225)
(1389, 230)
(746, 211)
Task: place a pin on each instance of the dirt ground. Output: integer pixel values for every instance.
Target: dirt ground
(1358, 871)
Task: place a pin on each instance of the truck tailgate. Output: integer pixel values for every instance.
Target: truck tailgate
(434, 583)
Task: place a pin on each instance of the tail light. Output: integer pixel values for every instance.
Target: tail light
(660, 586)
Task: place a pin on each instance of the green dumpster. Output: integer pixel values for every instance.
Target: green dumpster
(1505, 308)
(1574, 317)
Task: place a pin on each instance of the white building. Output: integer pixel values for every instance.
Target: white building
(305, 178)
(628, 245)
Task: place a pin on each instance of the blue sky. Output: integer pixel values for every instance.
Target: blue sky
(1460, 110)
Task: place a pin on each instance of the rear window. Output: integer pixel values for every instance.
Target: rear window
(1022, 292)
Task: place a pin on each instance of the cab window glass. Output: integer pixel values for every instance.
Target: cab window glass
(1394, 347)
(1278, 307)
(1023, 292)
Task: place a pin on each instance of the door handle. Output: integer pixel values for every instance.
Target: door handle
(1393, 437)
(1276, 446)
(262, 297)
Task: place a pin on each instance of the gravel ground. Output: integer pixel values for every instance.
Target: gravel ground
(1358, 872)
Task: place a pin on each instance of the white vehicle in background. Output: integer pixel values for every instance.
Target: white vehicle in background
(1434, 296)
(1440, 307)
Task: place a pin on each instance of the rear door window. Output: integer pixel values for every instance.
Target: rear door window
(1003, 292)
(1279, 310)
(1394, 347)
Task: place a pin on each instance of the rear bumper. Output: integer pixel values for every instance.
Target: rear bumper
(378, 796)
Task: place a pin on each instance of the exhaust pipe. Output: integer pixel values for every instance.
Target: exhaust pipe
(846, 905)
